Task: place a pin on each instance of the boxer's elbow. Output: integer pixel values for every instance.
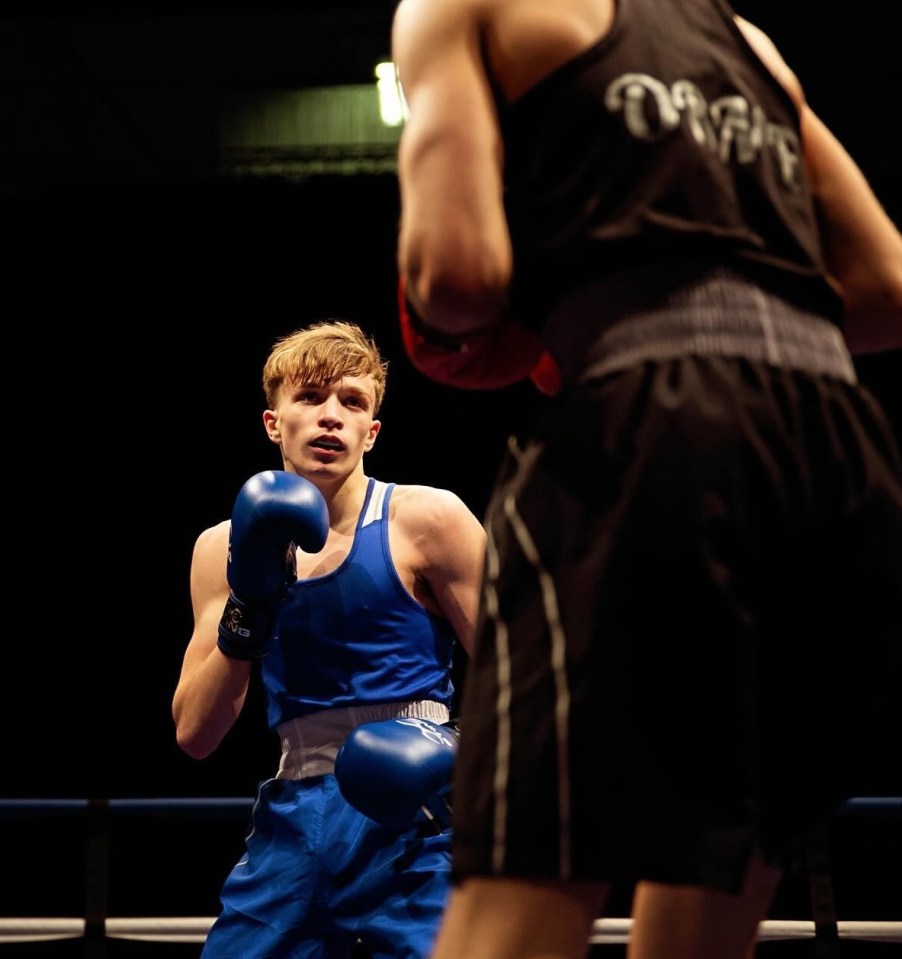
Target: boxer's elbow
(198, 732)
(460, 294)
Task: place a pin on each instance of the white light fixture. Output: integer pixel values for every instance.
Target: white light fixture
(392, 105)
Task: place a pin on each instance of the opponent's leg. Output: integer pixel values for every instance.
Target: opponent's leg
(519, 919)
(687, 922)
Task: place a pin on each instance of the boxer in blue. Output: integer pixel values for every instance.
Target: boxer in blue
(350, 595)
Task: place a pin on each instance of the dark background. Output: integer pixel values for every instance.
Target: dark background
(142, 292)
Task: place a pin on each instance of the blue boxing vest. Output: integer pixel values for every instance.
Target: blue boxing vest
(355, 635)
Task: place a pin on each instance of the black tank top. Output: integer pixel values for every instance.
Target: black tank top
(667, 140)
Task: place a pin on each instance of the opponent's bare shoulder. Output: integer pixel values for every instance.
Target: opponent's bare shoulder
(771, 57)
(522, 39)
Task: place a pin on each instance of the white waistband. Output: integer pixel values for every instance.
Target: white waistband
(311, 743)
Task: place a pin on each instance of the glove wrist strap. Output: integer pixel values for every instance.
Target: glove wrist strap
(244, 630)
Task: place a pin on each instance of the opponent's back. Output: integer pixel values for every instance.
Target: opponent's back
(667, 138)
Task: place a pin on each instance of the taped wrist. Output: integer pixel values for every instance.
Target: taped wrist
(429, 335)
(244, 630)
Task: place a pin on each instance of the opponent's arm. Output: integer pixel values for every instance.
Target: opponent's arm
(863, 247)
(454, 248)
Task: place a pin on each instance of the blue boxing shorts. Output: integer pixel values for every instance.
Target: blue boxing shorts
(317, 877)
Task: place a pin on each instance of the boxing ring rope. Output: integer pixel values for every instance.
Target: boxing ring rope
(193, 929)
(188, 929)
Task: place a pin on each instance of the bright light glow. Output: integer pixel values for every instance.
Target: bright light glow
(392, 105)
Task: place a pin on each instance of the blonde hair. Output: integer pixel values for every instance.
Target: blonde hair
(322, 353)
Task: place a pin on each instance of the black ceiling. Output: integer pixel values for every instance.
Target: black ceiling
(58, 66)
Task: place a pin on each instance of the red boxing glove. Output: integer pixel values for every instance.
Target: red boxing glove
(546, 376)
(483, 360)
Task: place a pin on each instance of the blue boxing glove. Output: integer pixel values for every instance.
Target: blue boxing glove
(393, 770)
(274, 513)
